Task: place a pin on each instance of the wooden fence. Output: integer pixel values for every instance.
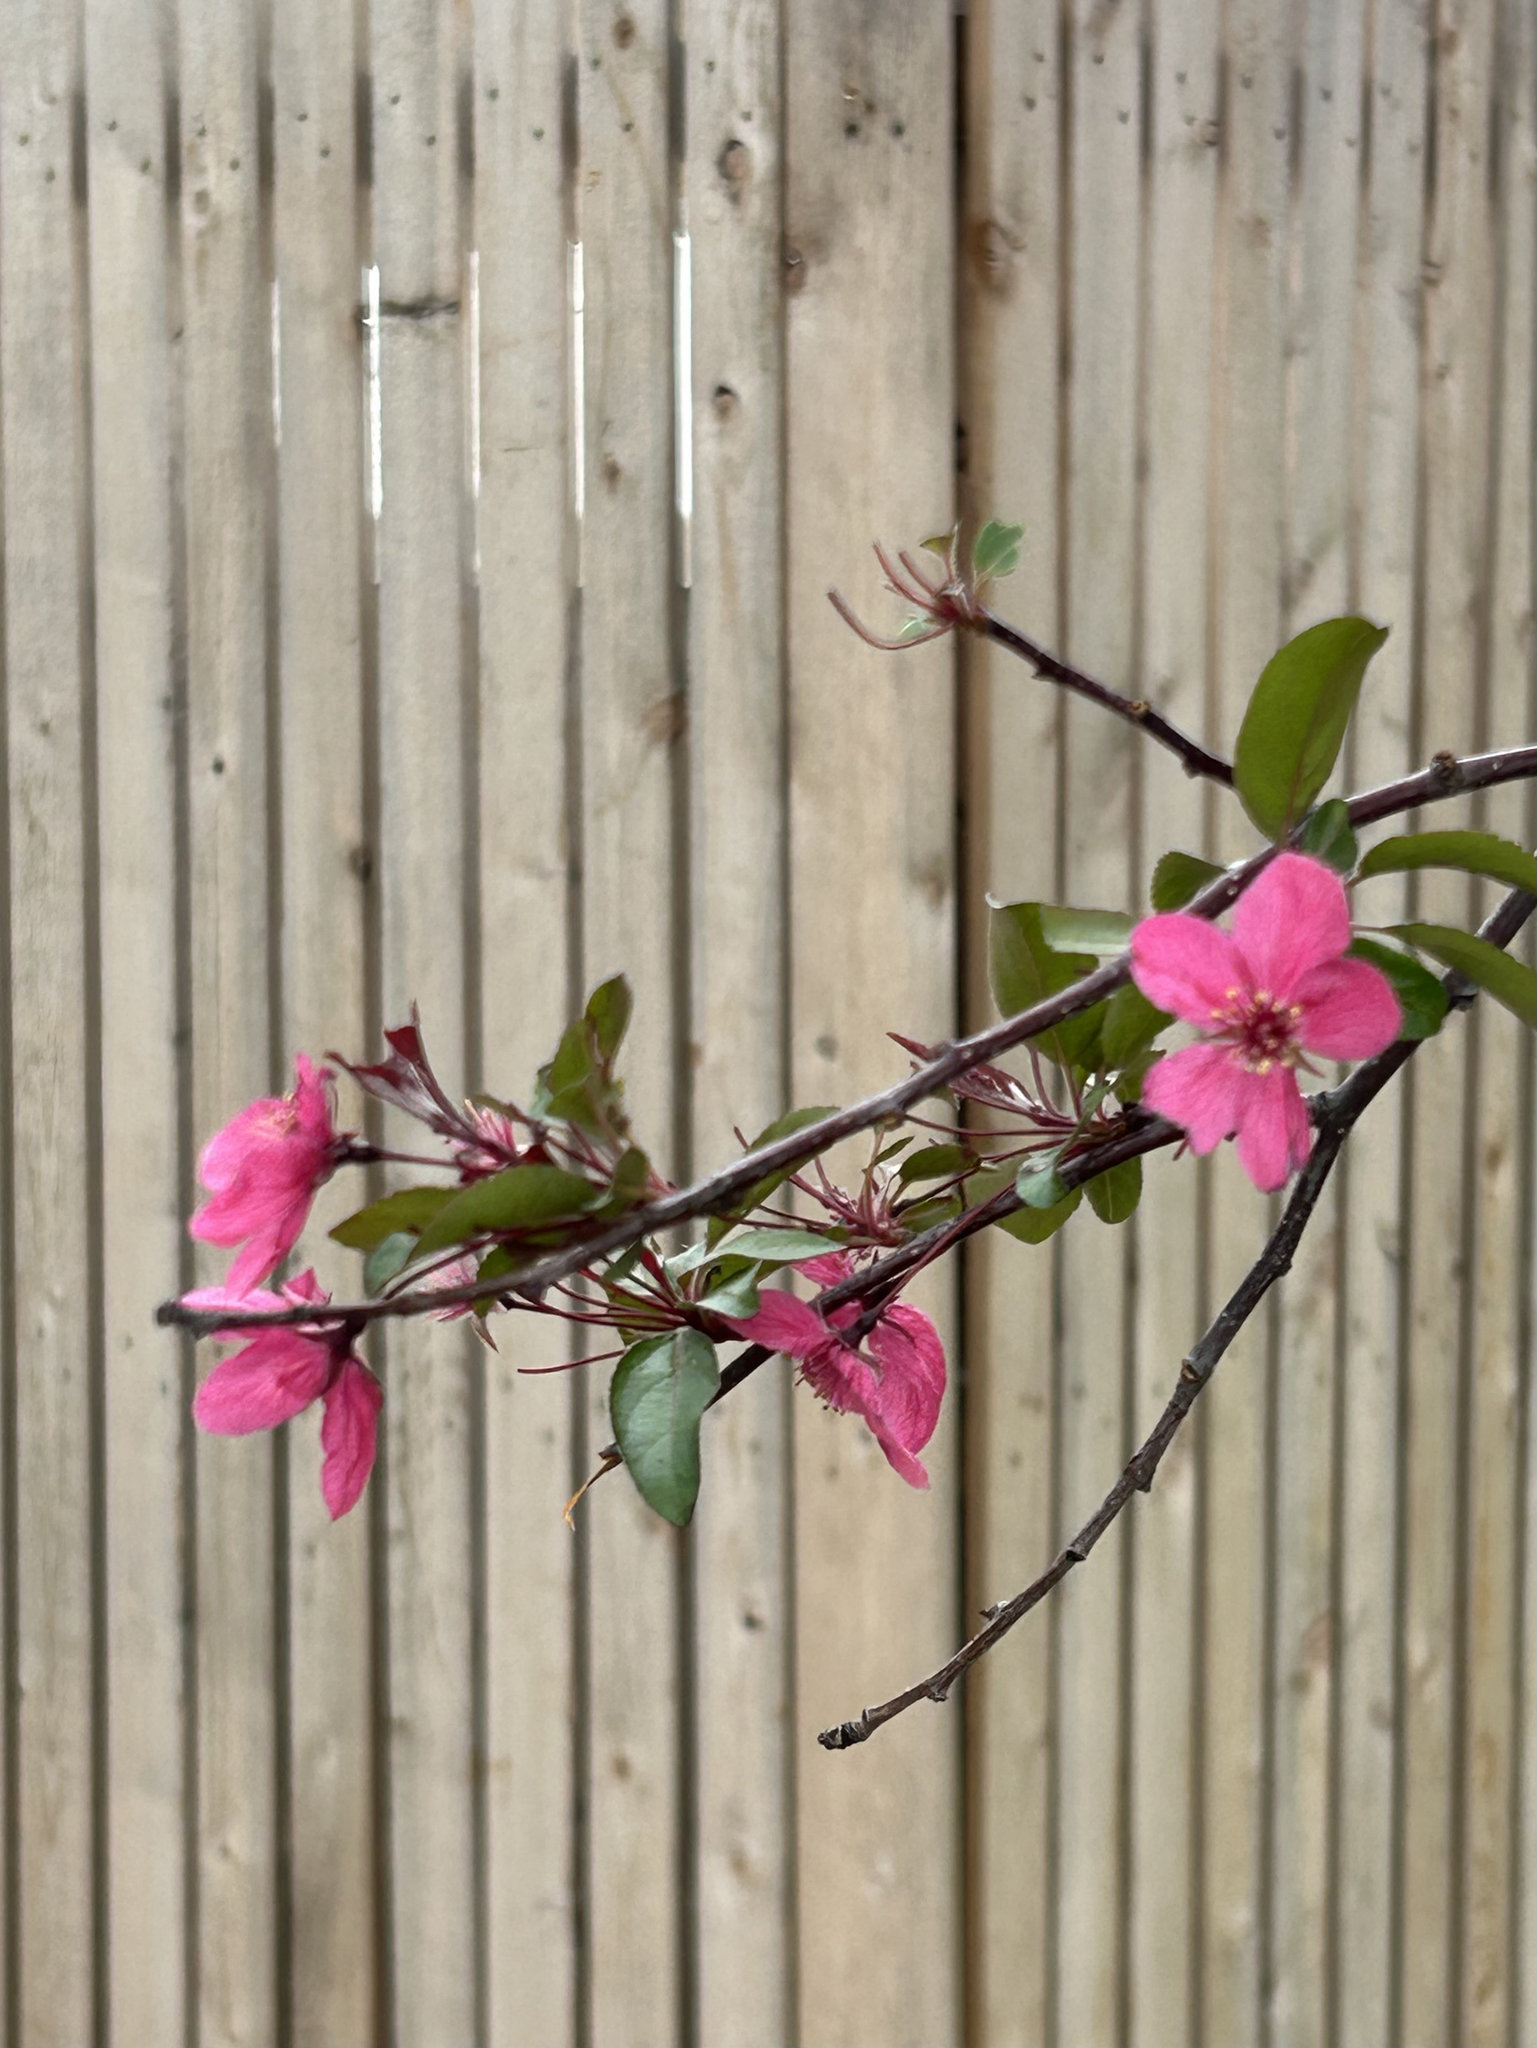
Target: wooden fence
(428, 432)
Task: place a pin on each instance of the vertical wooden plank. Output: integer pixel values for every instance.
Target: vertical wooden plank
(227, 398)
(40, 428)
(131, 481)
(1387, 455)
(1458, 311)
(1101, 773)
(330, 1942)
(1246, 629)
(413, 60)
(1010, 371)
(526, 555)
(737, 1028)
(1182, 177)
(1502, 1261)
(1326, 108)
(869, 367)
(631, 715)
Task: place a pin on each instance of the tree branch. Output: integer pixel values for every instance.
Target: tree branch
(1335, 1115)
(717, 1192)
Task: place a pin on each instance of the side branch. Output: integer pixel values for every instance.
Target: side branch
(717, 1192)
(1335, 1116)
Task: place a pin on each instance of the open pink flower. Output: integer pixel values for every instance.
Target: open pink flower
(262, 1171)
(281, 1371)
(898, 1395)
(1277, 987)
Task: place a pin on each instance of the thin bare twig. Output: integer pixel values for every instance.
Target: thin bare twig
(1335, 1114)
(719, 1191)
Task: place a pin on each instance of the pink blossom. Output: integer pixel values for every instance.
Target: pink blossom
(262, 1171)
(897, 1389)
(1277, 987)
(281, 1371)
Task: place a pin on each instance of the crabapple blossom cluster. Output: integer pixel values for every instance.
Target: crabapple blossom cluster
(549, 1206)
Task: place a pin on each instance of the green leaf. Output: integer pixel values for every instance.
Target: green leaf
(775, 1247)
(1114, 1195)
(1025, 970)
(782, 1127)
(1034, 1226)
(1508, 981)
(1131, 1025)
(408, 1209)
(996, 550)
(386, 1259)
(736, 1295)
(1178, 877)
(914, 624)
(940, 544)
(608, 1016)
(1478, 853)
(1295, 724)
(933, 1162)
(632, 1171)
(1420, 995)
(1039, 1185)
(1103, 932)
(660, 1389)
(934, 1208)
(1328, 835)
(521, 1198)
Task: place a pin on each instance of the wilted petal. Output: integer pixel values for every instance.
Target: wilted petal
(1184, 964)
(1291, 918)
(277, 1375)
(1349, 1010)
(1272, 1137)
(349, 1434)
(1197, 1089)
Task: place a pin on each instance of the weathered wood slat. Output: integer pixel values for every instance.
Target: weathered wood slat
(227, 437)
(424, 849)
(631, 712)
(53, 1174)
(1375, 1235)
(1182, 173)
(1326, 110)
(1459, 260)
(144, 1410)
(526, 552)
(1011, 402)
(738, 1018)
(869, 366)
(1251, 271)
(1100, 774)
(330, 1939)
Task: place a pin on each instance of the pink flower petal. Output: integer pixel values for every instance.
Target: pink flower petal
(1272, 1136)
(1184, 964)
(901, 1460)
(349, 1435)
(907, 1348)
(249, 1300)
(1349, 1010)
(1291, 918)
(277, 1375)
(827, 1268)
(1198, 1089)
(784, 1323)
(840, 1377)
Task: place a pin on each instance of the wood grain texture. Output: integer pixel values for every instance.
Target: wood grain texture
(331, 1934)
(227, 441)
(737, 1027)
(1455, 426)
(1248, 506)
(1010, 369)
(632, 716)
(1181, 201)
(41, 433)
(1387, 443)
(526, 554)
(869, 377)
(125, 94)
(423, 803)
